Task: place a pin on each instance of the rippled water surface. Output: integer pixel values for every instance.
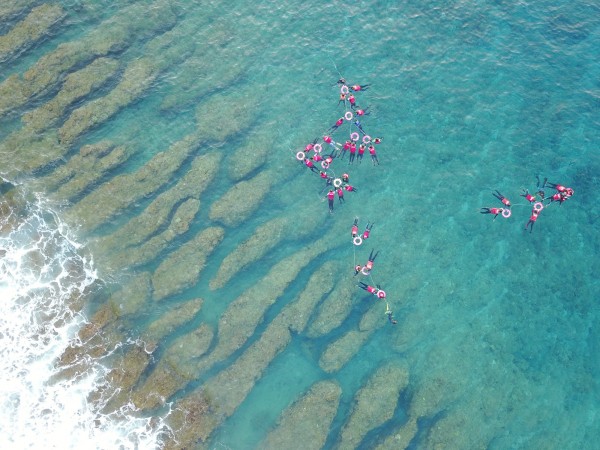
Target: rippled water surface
(171, 276)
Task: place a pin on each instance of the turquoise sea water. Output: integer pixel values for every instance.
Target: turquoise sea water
(497, 327)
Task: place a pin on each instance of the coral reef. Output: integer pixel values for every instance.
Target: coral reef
(241, 200)
(31, 29)
(227, 113)
(334, 309)
(201, 174)
(191, 420)
(307, 421)
(77, 85)
(180, 223)
(252, 154)
(374, 404)
(339, 352)
(9, 8)
(182, 268)
(199, 75)
(171, 319)
(240, 319)
(111, 36)
(121, 191)
(90, 169)
(266, 237)
(174, 369)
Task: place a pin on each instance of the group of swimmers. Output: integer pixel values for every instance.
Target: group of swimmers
(537, 200)
(358, 141)
(366, 269)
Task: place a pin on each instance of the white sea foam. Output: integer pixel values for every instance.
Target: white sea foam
(42, 271)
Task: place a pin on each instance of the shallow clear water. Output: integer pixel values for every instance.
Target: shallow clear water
(496, 326)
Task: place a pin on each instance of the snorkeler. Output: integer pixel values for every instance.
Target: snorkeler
(358, 125)
(367, 231)
(558, 187)
(329, 159)
(345, 148)
(540, 189)
(559, 197)
(361, 152)
(530, 198)
(373, 155)
(310, 146)
(502, 198)
(310, 165)
(316, 157)
(360, 87)
(494, 211)
(377, 140)
(352, 153)
(389, 314)
(534, 216)
(330, 198)
(340, 194)
(328, 140)
(370, 289)
(350, 188)
(352, 101)
(337, 124)
(362, 112)
(355, 227)
(372, 257)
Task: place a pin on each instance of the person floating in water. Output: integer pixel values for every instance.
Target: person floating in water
(361, 152)
(390, 314)
(362, 112)
(377, 140)
(352, 101)
(358, 125)
(540, 189)
(345, 178)
(350, 188)
(370, 289)
(337, 124)
(357, 269)
(373, 155)
(530, 198)
(329, 159)
(310, 165)
(558, 187)
(341, 81)
(340, 193)
(369, 265)
(355, 227)
(558, 197)
(367, 231)
(532, 219)
(345, 148)
(502, 198)
(494, 211)
(352, 153)
(360, 87)
(328, 140)
(310, 146)
(330, 199)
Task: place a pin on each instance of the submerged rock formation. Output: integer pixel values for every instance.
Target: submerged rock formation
(307, 421)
